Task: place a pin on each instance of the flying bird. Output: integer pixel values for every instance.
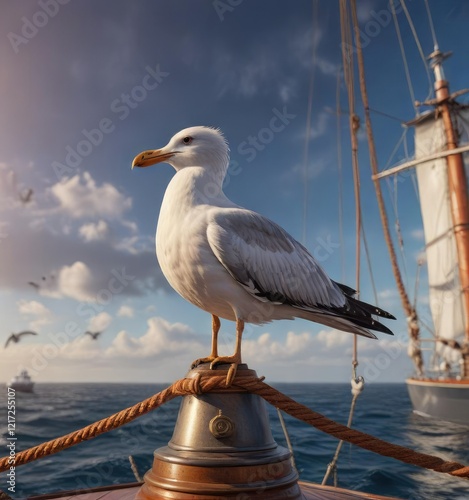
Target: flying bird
(15, 337)
(93, 335)
(26, 196)
(35, 285)
(233, 262)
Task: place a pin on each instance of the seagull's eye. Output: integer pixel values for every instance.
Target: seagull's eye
(187, 140)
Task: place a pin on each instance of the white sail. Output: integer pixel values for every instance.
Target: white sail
(442, 261)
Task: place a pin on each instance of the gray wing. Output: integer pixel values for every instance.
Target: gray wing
(26, 332)
(268, 262)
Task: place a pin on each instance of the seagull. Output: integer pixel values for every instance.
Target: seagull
(26, 196)
(233, 262)
(15, 337)
(35, 285)
(93, 335)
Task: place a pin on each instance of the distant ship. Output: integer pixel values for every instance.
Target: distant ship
(441, 137)
(22, 382)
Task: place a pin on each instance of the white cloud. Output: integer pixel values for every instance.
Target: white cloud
(389, 299)
(306, 49)
(388, 293)
(136, 244)
(265, 348)
(418, 234)
(100, 322)
(94, 231)
(76, 282)
(364, 11)
(80, 349)
(125, 312)
(244, 78)
(298, 347)
(319, 128)
(287, 90)
(315, 168)
(130, 225)
(161, 339)
(42, 315)
(80, 196)
(333, 338)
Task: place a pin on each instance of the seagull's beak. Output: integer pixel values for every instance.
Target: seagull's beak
(147, 158)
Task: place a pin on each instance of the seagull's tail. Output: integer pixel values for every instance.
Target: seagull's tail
(336, 322)
(354, 317)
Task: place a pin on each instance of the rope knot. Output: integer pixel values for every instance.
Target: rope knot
(357, 385)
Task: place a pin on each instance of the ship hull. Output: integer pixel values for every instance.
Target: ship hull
(22, 387)
(446, 399)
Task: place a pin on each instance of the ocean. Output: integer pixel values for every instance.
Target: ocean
(383, 410)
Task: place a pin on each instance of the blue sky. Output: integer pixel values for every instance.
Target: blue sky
(88, 85)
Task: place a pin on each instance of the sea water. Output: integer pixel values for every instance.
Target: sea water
(383, 410)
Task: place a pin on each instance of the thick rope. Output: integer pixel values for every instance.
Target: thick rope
(217, 383)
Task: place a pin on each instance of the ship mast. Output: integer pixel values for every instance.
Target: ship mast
(457, 181)
(411, 314)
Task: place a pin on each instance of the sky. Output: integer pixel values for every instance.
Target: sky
(87, 85)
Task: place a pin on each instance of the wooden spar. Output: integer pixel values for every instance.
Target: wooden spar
(457, 182)
(404, 166)
(413, 326)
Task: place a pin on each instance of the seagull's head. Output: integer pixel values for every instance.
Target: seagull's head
(195, 146)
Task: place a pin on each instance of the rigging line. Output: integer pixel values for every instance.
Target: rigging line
(332, 466)
(394, 198)
(419, 47)
(287, 437)
(308, 121)
(413, 175)
(370, 267)
(417, 281)
(396, 147)
(339, 166)
(397, 226)
(387, 115)
(406, 305)
(404, 58)
(347, 60)
(399, 230)
(432, 27)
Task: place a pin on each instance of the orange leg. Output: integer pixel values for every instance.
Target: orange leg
(235, 360)
(214, 354)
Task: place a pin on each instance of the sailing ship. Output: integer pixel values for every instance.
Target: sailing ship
(22, 382)
(222, 446)
(440, 386)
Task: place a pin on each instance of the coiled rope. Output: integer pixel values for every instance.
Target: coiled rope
(217, 383)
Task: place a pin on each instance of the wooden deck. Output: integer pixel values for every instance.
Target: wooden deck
(128, 491)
